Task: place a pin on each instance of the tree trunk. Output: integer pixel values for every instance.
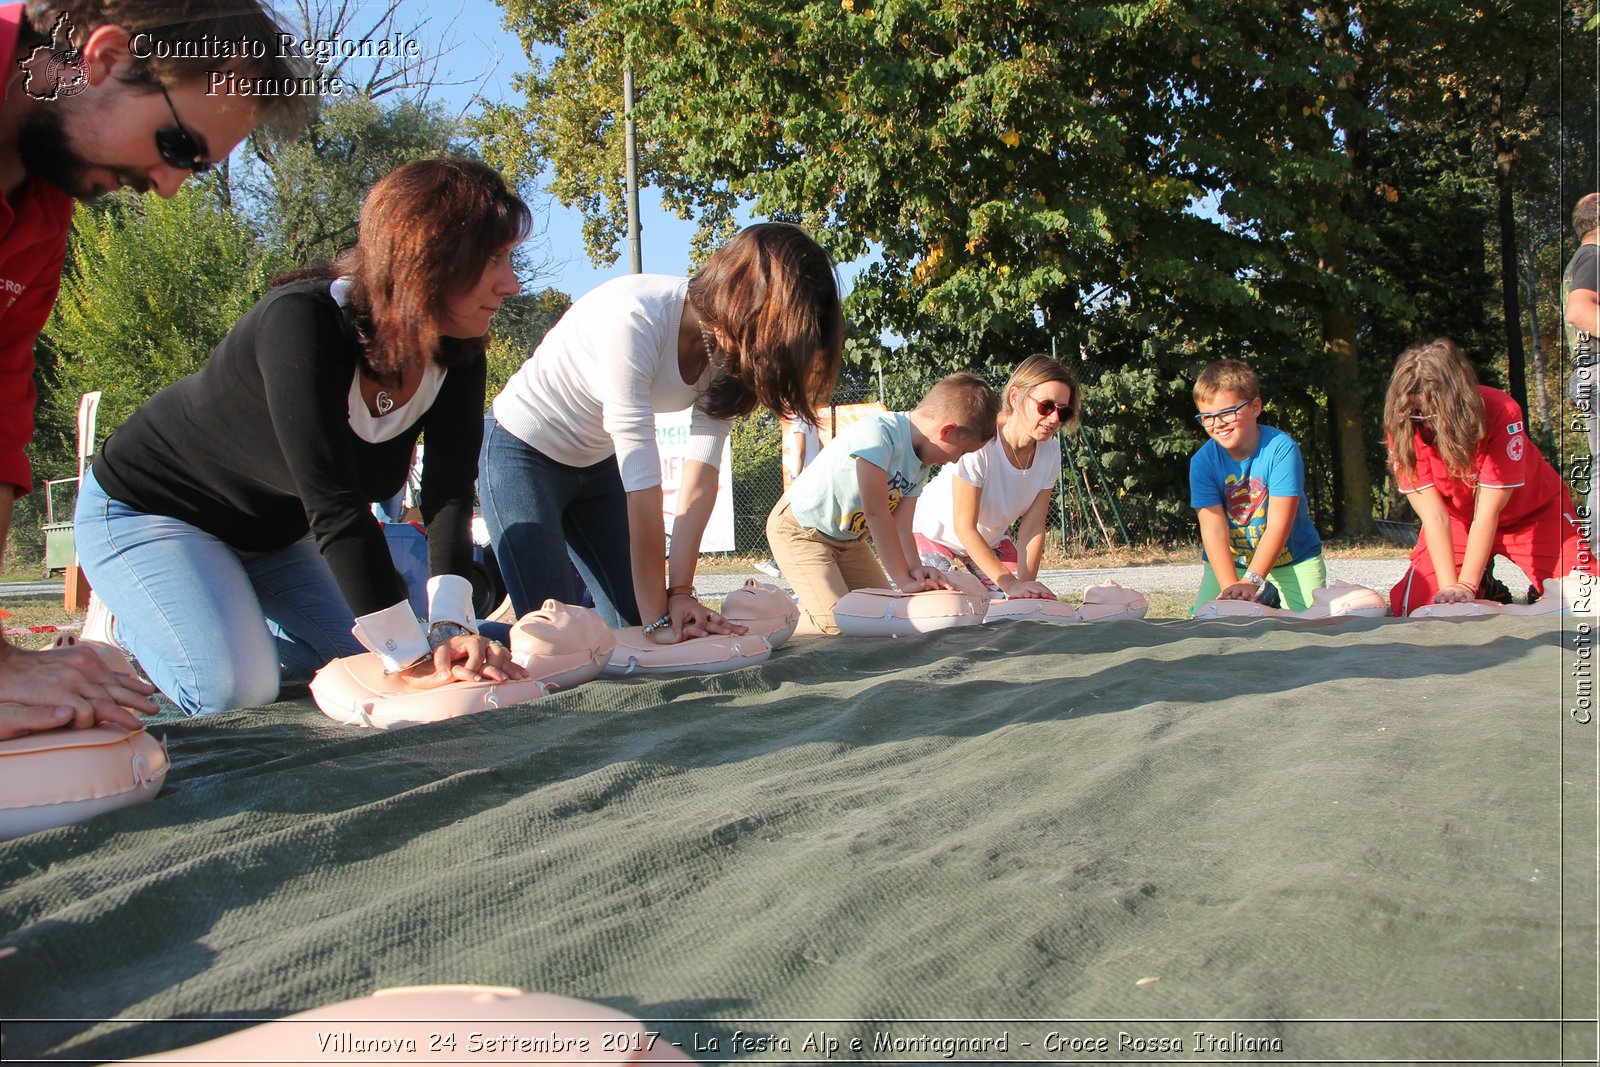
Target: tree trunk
(1511, 309)
(1541, 400)
(1344, 402)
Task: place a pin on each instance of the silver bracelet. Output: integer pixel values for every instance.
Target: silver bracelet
(659, 624)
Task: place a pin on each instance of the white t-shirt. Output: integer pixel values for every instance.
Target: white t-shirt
(1007, 492)
(593, 386)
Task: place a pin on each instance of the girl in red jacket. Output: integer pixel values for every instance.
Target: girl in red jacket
(1461, 454)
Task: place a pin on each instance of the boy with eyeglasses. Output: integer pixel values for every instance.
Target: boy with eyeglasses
(1247, 486)
(100, 95)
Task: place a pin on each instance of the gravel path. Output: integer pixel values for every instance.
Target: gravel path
(1379, 574)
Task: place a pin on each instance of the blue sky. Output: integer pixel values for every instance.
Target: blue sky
(483, 51)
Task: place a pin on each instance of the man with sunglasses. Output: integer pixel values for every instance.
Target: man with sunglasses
(85, 111)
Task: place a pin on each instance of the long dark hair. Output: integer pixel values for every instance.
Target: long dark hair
(770, 293)
(1434, 379)
(427, 232)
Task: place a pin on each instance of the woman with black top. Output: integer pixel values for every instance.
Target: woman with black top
(227, 525)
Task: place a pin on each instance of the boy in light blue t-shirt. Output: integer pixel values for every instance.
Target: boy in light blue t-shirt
(865, 483)
(1247, 486)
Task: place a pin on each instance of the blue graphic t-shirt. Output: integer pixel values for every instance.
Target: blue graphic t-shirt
(1243, 488)
(827, 497)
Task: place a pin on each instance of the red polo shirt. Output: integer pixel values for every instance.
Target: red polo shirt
(33, 246)
(1505, 459)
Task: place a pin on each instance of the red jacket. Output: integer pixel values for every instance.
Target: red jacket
(33, 246)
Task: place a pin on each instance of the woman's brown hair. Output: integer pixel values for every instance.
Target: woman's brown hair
(428, 230)
(771, 297)
(1035, 371)
(1433, 379)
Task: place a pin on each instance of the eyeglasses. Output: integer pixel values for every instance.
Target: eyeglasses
(1225, 417)
(178, 145)
(1050, 407)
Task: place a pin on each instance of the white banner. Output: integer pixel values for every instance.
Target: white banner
(672, 433)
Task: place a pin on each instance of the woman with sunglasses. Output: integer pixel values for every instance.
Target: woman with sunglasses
(569, 465)
(967, 511)
(1462, 456)
(226, 525)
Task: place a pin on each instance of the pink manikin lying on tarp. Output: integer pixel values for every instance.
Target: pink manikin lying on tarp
(560, 645)
(415, 1025)
(764, 610)
(891, 613)
(64, 776)
(1337, 600)
(1573, 595)
(1106, 602)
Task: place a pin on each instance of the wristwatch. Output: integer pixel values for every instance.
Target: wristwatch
(660, 624)
(441, 632)
(1254, 579)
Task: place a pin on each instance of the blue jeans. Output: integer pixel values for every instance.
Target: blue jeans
(540, 511)
(214, 627)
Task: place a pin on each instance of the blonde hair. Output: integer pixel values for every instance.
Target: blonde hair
(1227, 376)
(1434, 378)
(966, 400)
(1035, 371)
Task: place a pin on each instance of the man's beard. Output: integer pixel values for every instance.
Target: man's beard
(47, 153)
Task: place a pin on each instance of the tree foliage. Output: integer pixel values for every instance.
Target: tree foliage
(152, 286)
(1147, 184)
(307, 195)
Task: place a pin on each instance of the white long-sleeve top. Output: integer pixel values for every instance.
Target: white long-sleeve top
(593, 386)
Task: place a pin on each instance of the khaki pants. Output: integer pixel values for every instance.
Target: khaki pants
(820, 569)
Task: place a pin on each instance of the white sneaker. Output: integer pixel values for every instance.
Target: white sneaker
(98, 623)
(769, 568)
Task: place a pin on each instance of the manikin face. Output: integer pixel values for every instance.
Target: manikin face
(469, 312)
(104, 137)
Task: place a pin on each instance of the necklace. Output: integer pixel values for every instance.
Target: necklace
(1014, 456)
(383, 401)
(711, 346)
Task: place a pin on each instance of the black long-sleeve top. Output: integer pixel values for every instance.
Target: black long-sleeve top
(256, 448)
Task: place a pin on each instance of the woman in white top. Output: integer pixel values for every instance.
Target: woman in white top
(967, 512)
(569, 466)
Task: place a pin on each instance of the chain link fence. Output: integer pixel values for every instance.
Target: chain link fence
(1092, 507)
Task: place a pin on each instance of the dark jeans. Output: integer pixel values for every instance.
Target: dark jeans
(540, 511)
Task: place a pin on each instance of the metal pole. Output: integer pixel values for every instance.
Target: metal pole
(631, 147)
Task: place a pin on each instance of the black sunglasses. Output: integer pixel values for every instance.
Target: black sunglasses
(178, 146)
(1050, 407)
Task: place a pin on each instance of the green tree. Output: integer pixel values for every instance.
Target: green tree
(306, 196)
(152, 286)
(1149, 185)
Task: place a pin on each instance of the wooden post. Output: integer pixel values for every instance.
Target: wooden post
(76, 596)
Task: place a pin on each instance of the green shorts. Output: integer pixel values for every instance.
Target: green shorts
(1295, 583)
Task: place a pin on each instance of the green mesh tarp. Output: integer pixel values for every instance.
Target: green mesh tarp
(1369, 841)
